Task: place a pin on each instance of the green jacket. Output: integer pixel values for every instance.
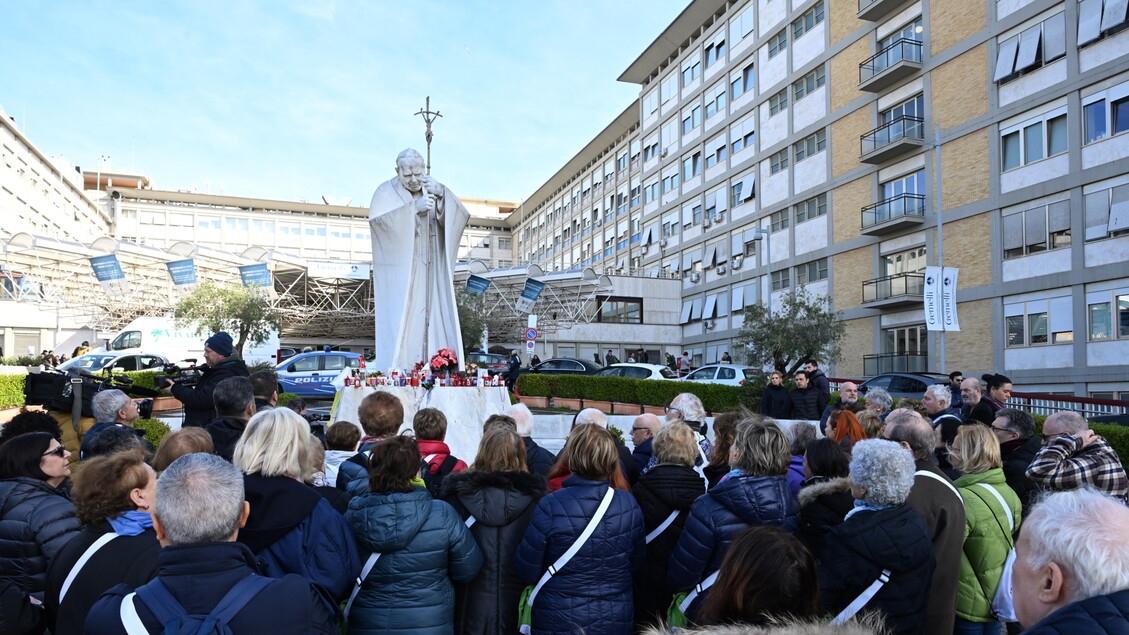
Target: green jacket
(986, 541)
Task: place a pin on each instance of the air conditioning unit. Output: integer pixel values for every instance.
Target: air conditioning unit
(662, 155)
(706, 222)
(719, 217)
(646, 248)
(721, 270)
(737, 260)
(709, 324)
(662, 243)
(695, 277)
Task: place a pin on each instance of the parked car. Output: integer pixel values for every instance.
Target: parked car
(564, 366)
(284, 353)
(312, 374)
(97, 362)
(729, 374)
(638, 371)
(492, 362)
(902, 385)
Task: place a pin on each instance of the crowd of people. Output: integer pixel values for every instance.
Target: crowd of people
(895, 521)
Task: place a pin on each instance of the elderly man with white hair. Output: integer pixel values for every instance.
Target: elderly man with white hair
(539, 460)
(111, 408)
(687, 408)
(1075, 456)
(1071, 571)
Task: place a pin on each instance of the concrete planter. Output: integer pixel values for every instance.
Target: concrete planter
(165, 404)
(658, 411)
(603, 406)
(620, 408)
(535, 402)
(566, 402)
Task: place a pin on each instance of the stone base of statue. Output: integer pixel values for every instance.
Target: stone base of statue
(466, 410)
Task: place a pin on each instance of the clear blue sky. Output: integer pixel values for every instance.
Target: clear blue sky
(296, 99)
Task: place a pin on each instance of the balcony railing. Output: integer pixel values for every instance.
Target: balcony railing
(900, 59)
(894, 363)
(896, 208)
(893, 137)
(900, 286)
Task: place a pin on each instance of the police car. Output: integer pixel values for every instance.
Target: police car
(312, 374)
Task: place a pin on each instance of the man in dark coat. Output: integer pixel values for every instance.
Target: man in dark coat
(975, 408)
(1070, 564)
(539, 460)
(805, 402)
(111, 408)
(818, 380)
(937, 501)
(235, 402)
(643, 430)
(200, 509)
(199, 409)
(1015, 430)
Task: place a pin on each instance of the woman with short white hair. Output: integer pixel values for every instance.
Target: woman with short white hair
(292, 528)
(882, 535)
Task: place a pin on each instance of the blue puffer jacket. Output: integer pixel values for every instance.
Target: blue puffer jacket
(592, 592)
(424, 545)
(716, 518)
(1098, 614)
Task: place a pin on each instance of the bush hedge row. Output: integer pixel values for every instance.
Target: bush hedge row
(648, 392)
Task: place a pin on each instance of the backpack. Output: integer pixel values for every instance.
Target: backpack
(435, 481)
(176, 620)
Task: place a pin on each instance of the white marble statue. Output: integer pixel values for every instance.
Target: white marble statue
(416, 226)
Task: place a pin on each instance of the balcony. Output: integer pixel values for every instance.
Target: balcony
(895, 363)
(892, 64)
(893, 214)
(874, 10)
(897, 290)
(894, 138)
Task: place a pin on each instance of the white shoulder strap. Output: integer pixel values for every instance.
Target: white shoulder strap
(940, 480)
(86, 555)
(427, 459)
(657, 531)
(1003, 503)
(583, 538)
(862, 599)
(369, 564)
(130, 620)
(470, 520)
(702, 586)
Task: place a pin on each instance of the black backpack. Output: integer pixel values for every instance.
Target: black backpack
(178, 621)
(434, 482)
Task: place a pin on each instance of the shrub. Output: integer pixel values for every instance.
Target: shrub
(22, 360)
(536, 385)
(286, 398)
(11, 390)
(572, 387)
(144, 378)
(1116, 435)
(155, 429)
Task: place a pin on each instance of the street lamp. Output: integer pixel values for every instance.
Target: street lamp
(758, 235)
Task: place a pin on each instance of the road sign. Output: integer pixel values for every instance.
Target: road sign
(529, 344)
(531, 334)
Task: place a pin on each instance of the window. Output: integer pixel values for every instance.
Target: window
(651, 191)
(807, 84)
(779, 220)
(1106, 212)
(669, 88)
(743, 134)
(810, 145)
(811, 208)
(1096, 20)
(807, 21)
(778, 161)
(1039, 322)
(696, 214)
(621, 310)
(636, 191)
(1104, 323)
(1034, 140)
(913, 108)
(909, 184)
(670, 182)
(650, 103)
(691, 71)
(743, 81)
(651, 150)
(742, 25)
(720, 151)
(1106, 114)
(670, 228)
(781, 279)
(742, 190)
(1036, 230)
(812, 271)
(1031, 49)
(777, 43)
(669, 134)
(158, 218)
(908, 261)
(621, 161)
(778, 103)
(242, 224)
(716, 50)
(506, 243)
(715, 100)
(691, 118)
(913, 31)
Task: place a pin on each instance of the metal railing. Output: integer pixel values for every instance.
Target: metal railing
(895, 207)
(902, 50)
(897, 285)
(903, 127)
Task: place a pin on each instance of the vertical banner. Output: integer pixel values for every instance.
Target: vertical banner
(941, 298)
(182, 272)
(110, 275)
(477, 285)
(529, 295)
(256, 276)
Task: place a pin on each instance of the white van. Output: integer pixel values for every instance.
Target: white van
(159, 335)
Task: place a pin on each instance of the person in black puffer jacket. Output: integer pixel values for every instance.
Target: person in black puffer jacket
(670, 487)
(592, 592)
(755, 492)
(500, 494)
(774, 399)
(880, 533)
(36, 519)
(825, 497)
(199, 410)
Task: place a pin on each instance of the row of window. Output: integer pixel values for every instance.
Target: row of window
(798, 28)
(802, 149)
(1051, 321)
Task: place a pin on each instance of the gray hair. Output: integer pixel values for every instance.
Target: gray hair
(274, 443)
(233, 396)
(908, 426)
(522, 416)
(409, 156)
(199, 500)
(941, 393)
(690, 405)
(1071, 422)
(1084, 532)
(591, 415)
(802, 433)
(762, 447)
(884, 468)
(106, 404)
(1017, 421)
(880, 397)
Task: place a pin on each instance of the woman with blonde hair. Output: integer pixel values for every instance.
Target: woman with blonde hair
(992, 513)
(592, 592)
(291, 528)
(871, 423)
(500, 494)
(755, 492)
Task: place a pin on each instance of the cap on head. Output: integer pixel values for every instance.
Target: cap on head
(221, 343)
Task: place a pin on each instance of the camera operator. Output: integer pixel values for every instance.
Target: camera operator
(111, 408)
(199, 408)
(265, 384)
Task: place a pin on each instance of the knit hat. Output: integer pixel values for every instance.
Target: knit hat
(221, 343)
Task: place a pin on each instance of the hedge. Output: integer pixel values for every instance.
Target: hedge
(11, 390)
(648, 392)
(155, 429)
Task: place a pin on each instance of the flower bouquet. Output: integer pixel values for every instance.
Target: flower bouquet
(444, 361)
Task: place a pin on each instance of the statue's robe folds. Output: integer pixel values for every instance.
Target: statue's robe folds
(413, 256)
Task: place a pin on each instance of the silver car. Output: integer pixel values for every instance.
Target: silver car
(729, 374)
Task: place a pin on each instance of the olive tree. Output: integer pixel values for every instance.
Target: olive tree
(804, 326)
(244, 312)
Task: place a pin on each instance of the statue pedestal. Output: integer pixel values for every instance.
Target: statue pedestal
(466, 410)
